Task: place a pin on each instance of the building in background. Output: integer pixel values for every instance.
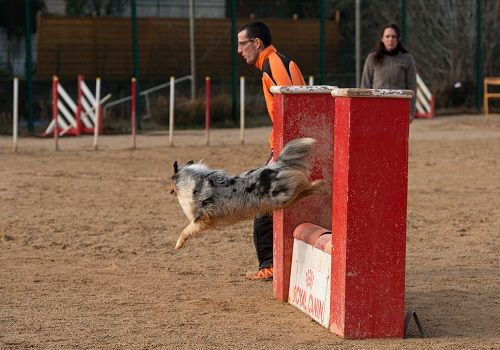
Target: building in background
(145, 8)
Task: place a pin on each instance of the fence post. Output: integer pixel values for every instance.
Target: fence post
(132, 112)
(28, 63)
(55, 82)
(97, 110)
(207, 110)
(242, 110)
(14, 113)
(171, 112)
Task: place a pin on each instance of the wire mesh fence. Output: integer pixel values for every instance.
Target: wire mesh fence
(442, 36)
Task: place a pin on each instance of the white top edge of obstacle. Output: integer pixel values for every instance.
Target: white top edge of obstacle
(306, 89)
(385, 93)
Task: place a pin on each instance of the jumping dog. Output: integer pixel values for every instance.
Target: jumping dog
(211, 198)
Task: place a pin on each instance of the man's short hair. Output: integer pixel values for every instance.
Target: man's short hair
(258, 30)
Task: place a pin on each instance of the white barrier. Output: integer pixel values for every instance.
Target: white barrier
(425, 100)
(66, 119)
(76, 118)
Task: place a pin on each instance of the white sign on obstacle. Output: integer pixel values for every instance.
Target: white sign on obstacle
(310, 281)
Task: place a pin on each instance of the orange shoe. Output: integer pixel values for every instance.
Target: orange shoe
(264, 274)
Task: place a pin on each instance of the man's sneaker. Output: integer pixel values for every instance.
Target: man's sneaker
(264, 274)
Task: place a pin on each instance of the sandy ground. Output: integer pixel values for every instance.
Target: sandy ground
(87, 237)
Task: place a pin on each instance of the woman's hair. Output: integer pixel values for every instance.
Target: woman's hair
(258, 30)
(379, 48)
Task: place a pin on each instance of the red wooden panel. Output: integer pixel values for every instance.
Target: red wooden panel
(302, 115)
(369, 217)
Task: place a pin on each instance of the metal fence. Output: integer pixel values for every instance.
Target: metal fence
(443, 37)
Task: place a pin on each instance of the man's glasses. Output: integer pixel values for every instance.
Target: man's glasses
(243, 43)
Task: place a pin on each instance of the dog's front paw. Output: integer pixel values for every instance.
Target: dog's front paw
(180, 243)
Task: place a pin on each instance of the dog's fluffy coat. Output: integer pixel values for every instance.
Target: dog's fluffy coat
(211, 198)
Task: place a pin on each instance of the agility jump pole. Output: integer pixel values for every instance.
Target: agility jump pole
(207, 110)
(171, 112)
(96, 109)
(14, 114)
(55, 82)
(242, 110)
(132, 112)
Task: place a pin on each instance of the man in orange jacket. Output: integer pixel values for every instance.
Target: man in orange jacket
(254, 45)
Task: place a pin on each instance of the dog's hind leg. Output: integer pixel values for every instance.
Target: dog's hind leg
(192, 229)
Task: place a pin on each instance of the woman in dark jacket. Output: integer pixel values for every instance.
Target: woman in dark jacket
(390, 66)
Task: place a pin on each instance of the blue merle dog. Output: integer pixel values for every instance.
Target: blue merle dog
(211, 198)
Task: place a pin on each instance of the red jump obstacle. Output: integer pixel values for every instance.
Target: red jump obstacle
(74, 118)
(355, 287)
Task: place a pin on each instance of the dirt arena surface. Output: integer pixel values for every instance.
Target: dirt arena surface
(87, 239)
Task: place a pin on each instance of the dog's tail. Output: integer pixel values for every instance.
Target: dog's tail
(295, 151)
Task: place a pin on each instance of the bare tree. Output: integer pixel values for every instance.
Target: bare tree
(441, 37)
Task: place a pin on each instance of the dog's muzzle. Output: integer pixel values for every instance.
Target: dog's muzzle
(171, 188)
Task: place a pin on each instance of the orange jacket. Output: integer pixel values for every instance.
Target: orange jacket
(277, 70)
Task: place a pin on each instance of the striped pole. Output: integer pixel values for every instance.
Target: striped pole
(242, 110)
(207, 110)
(132, 112)
(55, 83)
(171, 113)
(14, 113)
(96, 110)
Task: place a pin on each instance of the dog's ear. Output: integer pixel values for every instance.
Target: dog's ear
(176, 168)
(190, 162)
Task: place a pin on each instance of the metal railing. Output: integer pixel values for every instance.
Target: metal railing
(144, 93)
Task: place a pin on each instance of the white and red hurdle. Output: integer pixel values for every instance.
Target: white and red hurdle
(425, 100)
(341, 258)
(70, 118)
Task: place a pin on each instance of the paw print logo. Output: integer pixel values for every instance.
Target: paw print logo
(309, 278)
